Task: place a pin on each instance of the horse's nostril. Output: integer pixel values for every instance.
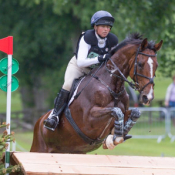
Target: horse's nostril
(145, 99)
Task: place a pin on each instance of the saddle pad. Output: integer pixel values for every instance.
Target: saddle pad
(75, 92)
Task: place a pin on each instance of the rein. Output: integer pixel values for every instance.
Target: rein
(122, 77)
(114, 94)
(135, 85)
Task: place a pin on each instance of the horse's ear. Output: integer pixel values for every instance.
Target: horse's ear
(158, 45)
(144, 44)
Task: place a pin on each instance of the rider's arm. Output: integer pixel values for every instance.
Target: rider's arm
(82, 60)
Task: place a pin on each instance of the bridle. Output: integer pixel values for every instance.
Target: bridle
(134, 85)
(151, 80)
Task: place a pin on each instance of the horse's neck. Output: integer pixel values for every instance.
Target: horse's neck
(111, 80)
(122, 60)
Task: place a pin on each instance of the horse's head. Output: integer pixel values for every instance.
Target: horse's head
(143, 68)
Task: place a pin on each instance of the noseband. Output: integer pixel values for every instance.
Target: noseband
(134, 85)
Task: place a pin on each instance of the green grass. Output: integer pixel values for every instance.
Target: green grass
(15, 101)
(160, 87)
(24, 140)
(141, 147)
(132, 147)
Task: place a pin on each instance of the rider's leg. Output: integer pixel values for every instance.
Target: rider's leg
(60, 104)
(72, 72)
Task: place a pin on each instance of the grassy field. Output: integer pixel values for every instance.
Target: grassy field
(160, 87)
(15, 101)
(133, 147)
(141, 147)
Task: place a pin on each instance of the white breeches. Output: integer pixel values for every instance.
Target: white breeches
(73, 72)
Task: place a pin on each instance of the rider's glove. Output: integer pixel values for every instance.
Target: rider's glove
(104, 57)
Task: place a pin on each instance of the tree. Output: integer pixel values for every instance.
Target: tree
(45, 35)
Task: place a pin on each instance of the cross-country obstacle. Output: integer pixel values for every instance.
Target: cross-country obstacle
(79, 164)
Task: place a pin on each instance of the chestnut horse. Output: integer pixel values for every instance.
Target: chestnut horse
(100, 114)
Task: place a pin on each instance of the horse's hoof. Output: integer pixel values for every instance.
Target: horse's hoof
(118, 140)
(104, 145)
(126, 137)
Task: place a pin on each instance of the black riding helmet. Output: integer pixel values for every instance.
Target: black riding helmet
(102, 18)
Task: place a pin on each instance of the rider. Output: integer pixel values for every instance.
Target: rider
(92, 49)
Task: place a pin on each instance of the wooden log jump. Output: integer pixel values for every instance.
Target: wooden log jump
(79, 164)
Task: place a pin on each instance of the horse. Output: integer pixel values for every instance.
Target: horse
(100, 115)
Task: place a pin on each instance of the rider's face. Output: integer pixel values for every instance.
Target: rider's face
(102, 30)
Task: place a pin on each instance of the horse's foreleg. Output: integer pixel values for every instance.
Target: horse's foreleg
(117, 137)
(118, 125)
(100, 111)
(119, 131)
(135, 114)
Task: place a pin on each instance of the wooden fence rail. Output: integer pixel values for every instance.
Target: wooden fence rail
(79, 164)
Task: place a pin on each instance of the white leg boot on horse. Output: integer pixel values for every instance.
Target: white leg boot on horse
(112, 140)
(59, 105)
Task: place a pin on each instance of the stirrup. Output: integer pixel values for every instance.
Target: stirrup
(54, 127)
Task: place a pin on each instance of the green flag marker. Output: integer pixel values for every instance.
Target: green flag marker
(4, 66)
(3, 83)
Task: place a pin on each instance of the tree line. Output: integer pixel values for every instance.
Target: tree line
(46, 31)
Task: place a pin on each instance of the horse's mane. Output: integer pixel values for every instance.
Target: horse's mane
(134, 38)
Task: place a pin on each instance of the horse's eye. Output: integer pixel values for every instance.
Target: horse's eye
(140, 65)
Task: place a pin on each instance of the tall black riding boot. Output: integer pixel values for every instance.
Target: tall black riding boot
(60, 103)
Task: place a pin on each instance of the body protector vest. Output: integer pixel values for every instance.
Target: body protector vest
(91, 39)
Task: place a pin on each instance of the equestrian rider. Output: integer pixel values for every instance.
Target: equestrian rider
(92, 49)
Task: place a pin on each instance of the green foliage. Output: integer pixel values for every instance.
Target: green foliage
(45, 33)
(3, 146)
